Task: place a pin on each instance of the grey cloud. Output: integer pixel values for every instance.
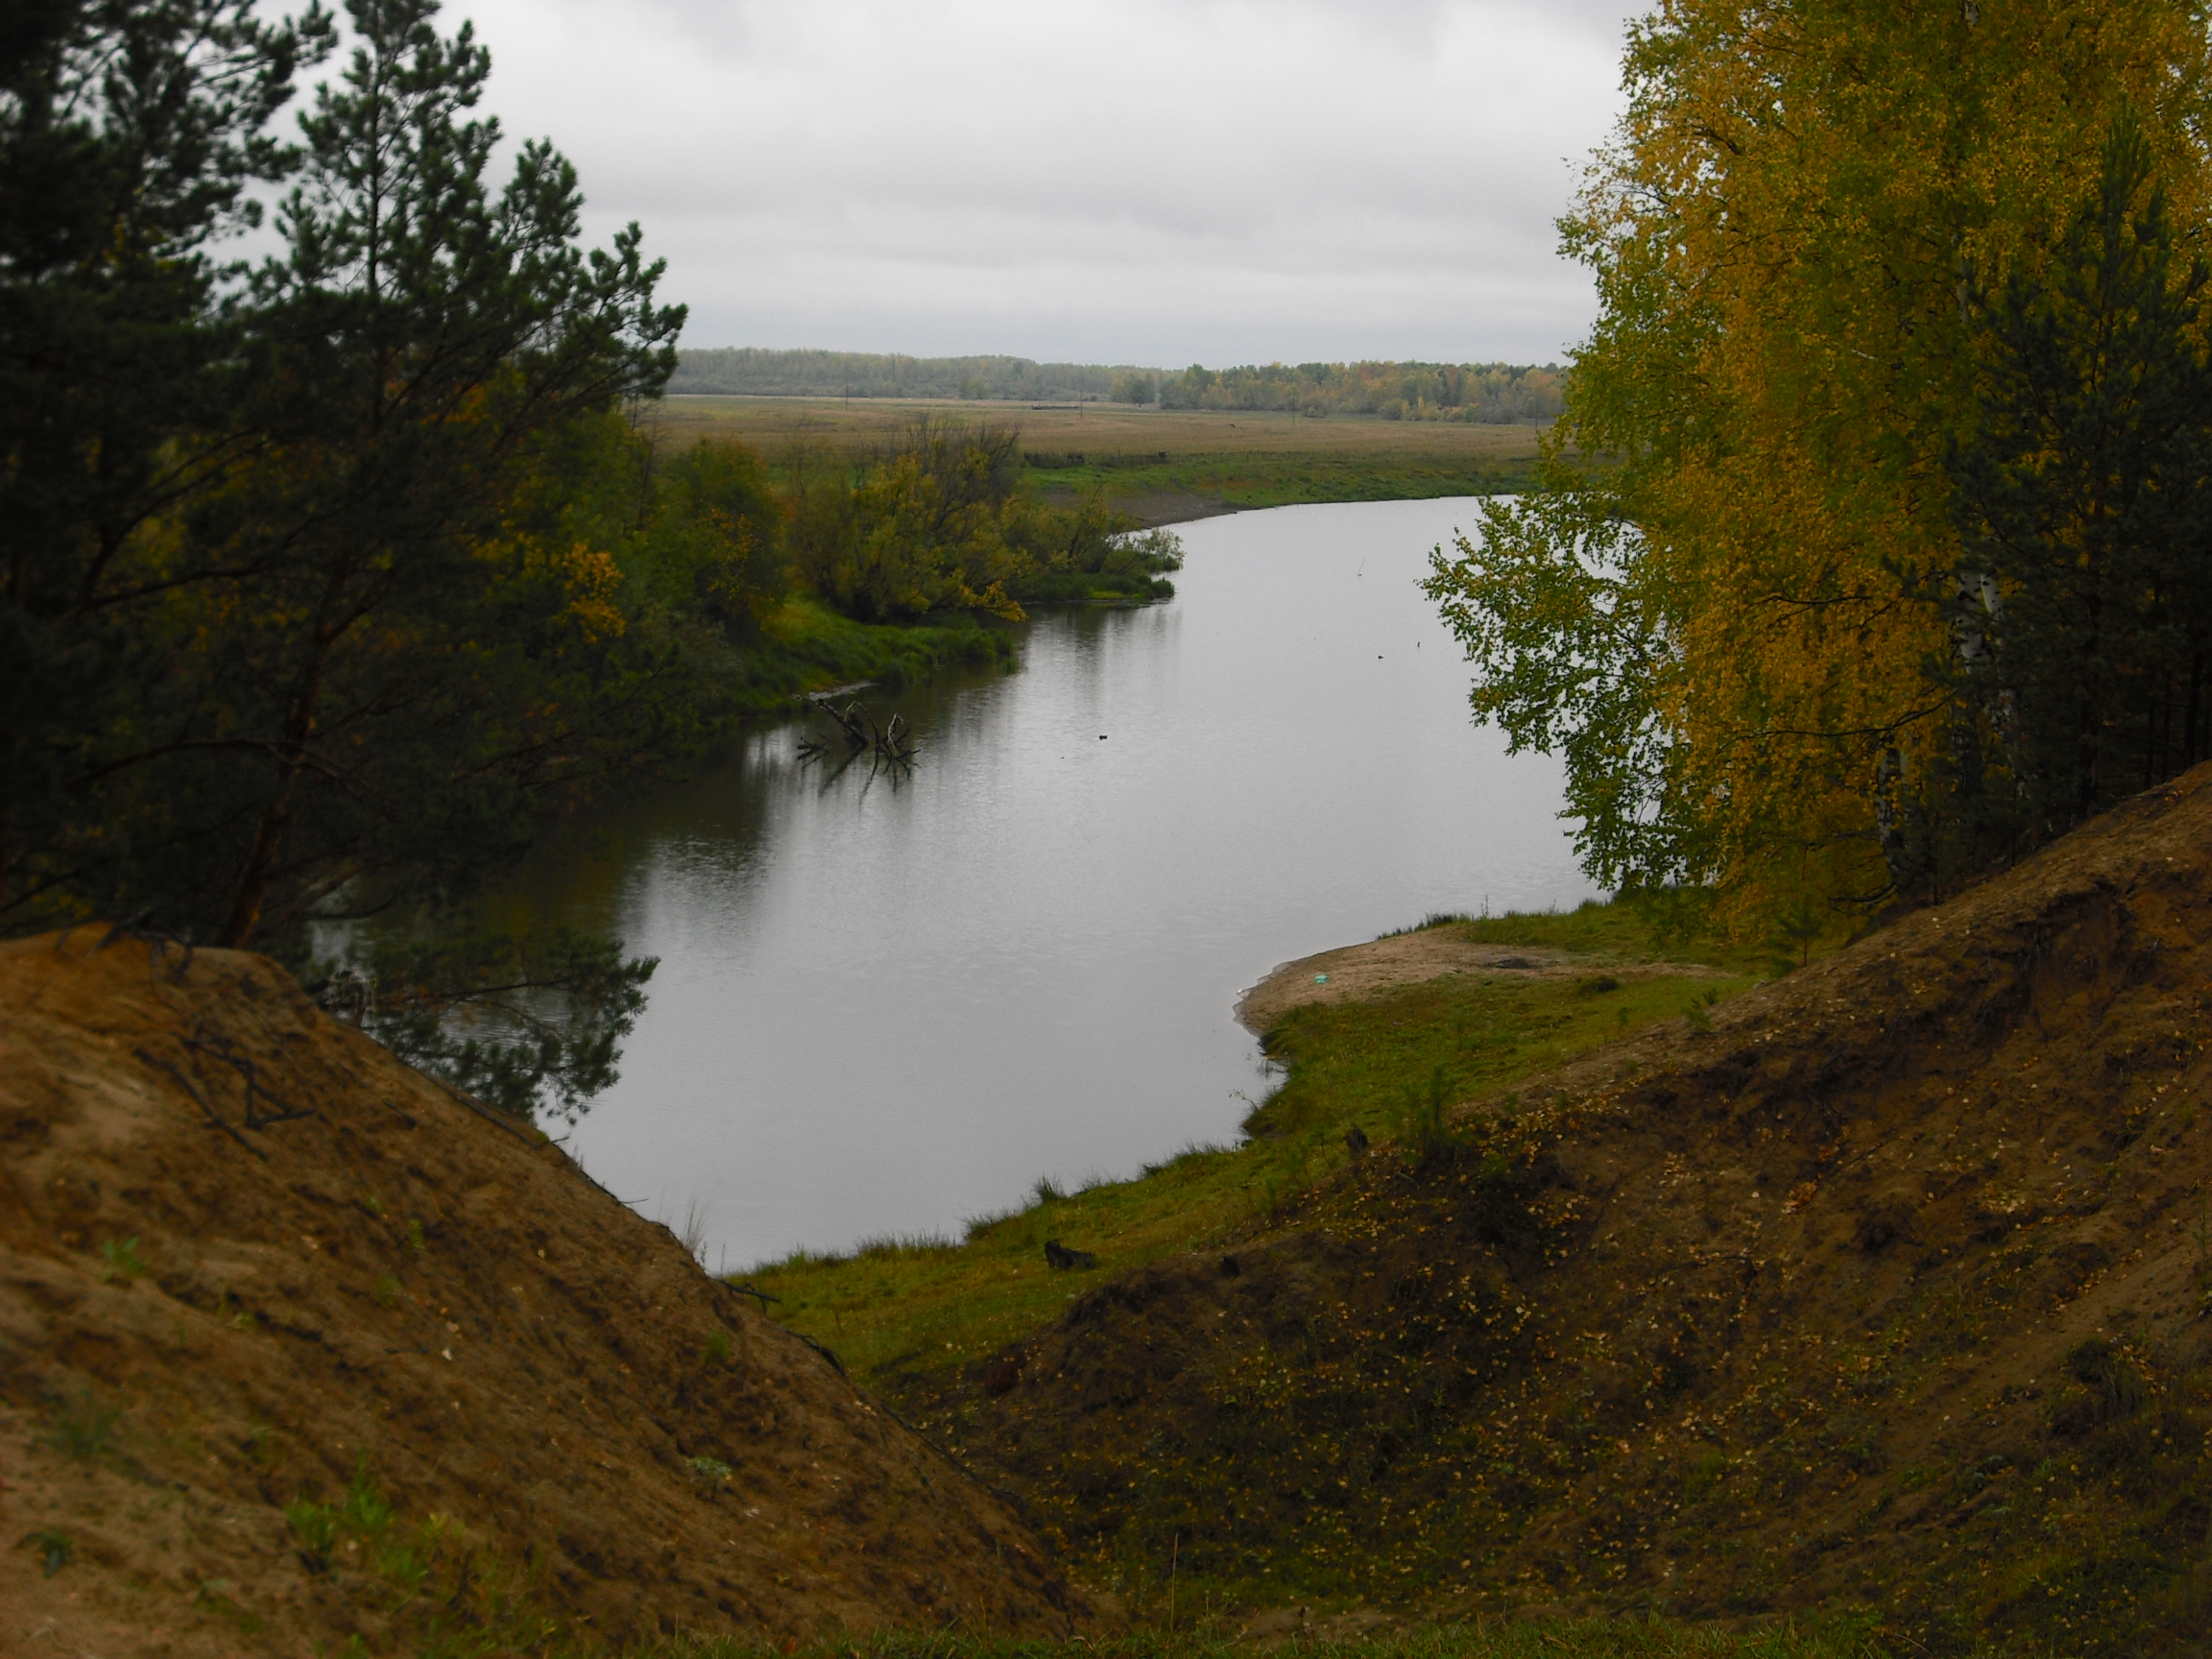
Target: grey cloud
(1150, 179)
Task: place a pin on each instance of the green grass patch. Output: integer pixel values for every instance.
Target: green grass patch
(1666, 929)
(439, 1593)
(1291, 478)
(807, 646)
(893, 1309)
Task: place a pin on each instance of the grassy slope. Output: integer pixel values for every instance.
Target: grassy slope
(895, 1309)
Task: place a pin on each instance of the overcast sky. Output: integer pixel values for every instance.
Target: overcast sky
(1155, 182)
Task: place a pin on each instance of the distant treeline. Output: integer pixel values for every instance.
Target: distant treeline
(1489, 393)
(1494, 393)
(873, 374)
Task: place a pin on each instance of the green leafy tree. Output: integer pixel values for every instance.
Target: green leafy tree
(919, 527)
(1135, 387)
(717, 531)
(1791, 443)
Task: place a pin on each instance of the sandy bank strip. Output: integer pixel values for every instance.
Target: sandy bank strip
(1359, 971)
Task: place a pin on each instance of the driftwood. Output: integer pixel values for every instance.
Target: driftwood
(890, 744)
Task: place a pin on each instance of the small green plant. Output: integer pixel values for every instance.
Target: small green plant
(709, 1469)
(386, 1290)
(2115, 1385)
(373, 1204)
(1796, 930)
(54, 1547)
(1049, 1190)
(1699, 1010)
(124, 1262)
(411, 1240)
(363, 1510)
(717, 1349)
(407, 1564)
(213, 1594)
(1422, 1131)
(316, 1527)
(1705, 1475)
(84, 1429)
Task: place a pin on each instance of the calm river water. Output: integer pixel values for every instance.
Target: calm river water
(881, 1010)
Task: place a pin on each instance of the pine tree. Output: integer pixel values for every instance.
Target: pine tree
(128, 136)
(2081, 496)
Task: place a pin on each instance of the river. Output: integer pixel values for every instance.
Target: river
(887, 1005)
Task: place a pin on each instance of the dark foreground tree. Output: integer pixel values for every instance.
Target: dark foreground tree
(2084, 581)
(346, 635)
(129, 135)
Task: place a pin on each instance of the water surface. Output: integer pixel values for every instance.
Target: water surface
(882, 1009)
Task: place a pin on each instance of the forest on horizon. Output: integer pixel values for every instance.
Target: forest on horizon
(1486, 394)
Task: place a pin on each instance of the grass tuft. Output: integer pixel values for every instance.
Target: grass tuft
(53, 1548)
(124, 1263)
(83, 1427)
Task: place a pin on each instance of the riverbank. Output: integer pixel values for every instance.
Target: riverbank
(806, 647)
(1159, 465)
(1867, 1292)
(903, 1313)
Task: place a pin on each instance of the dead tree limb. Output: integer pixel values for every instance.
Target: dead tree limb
(213, 1117)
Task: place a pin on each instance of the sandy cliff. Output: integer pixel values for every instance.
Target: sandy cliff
(248, 1260)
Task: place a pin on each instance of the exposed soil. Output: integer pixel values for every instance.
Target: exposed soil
(1353, 973)
(1886, 1284)
(244, 1254)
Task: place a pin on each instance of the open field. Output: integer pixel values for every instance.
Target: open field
(1159, 464)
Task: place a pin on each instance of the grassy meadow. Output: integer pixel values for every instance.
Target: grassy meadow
(896, 1311)
(1158, 465)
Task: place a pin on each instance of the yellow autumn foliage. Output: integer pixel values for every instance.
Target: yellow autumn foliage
(1747, 491)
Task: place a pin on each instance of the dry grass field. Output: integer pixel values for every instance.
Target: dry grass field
(1159, 464)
